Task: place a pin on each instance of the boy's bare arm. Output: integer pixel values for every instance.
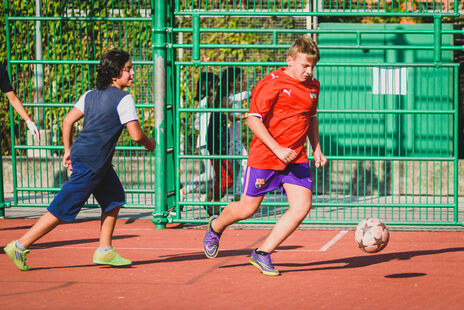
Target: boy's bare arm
(283, 153)
(73, 116)
(319, 159)
(136, 134)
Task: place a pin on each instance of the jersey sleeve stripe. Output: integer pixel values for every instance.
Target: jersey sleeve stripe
(256, 115)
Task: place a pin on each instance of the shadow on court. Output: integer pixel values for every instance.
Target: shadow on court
(16, 228)
(418, 270)
(181, 257)
(364, 261)
(356, 261)
(44, 245)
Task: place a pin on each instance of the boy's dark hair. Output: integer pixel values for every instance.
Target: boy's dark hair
(206, 86)
(228, 77)
(110, 67)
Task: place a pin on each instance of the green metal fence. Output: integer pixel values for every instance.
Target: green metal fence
(53, 50)
(388, 116)
(388, 109)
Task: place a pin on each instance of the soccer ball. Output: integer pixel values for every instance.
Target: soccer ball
(371, 235)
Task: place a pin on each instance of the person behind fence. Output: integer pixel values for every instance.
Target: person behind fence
(106, 110)
(236, 147)
(218, 144)
(7, 89)
(206, 92)
(282, 114)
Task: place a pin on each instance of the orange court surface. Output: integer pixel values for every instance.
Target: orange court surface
(321, 269)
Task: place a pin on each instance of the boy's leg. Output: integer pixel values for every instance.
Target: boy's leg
(234, 212)
(64, 206)
(107, 224)
(105, 254)
(45, 224)
(299, 200)
(110, 195)
(17, 252)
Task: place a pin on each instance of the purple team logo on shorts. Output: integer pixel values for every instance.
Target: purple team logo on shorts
(261, 181)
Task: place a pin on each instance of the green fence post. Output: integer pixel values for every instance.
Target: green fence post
(2, 195)
(437, 38)
(2, 198)
(456, 146)
(196, 38)
(158, 27)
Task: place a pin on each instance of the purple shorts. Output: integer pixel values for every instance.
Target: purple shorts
(261, 181)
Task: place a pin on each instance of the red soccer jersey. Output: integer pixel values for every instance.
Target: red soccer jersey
(286, 106)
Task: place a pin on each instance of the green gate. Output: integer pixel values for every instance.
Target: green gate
(388, 121)
(388, 110)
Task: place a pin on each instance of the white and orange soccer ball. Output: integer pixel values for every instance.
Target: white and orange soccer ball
(371, 235)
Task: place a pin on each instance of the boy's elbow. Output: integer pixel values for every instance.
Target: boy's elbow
(137, 137)
(66, 123)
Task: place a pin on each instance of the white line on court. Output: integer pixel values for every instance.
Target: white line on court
(164, 249)
(323, 249)
(120, 248)
(333, 241)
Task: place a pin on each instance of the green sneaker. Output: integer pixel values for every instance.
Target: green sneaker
(18, 256)
(110, 258)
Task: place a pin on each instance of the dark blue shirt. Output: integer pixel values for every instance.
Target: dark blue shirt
(103, 124)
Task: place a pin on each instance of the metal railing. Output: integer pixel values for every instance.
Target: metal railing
(392, 150)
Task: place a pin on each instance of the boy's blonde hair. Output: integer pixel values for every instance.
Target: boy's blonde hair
(305, 45)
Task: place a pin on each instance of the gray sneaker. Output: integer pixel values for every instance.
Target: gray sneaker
(263, 263)
(211, 240)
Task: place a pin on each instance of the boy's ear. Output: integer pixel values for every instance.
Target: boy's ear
(289, 60)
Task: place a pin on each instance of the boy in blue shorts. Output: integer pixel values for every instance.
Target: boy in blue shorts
(106, 110)
(282, 114)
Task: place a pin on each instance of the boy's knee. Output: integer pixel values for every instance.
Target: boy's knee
(301, 212)
(245, 210)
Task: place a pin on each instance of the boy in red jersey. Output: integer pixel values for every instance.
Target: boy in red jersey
(282, 114)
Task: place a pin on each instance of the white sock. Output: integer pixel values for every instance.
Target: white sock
(19, 246)
(105, 250)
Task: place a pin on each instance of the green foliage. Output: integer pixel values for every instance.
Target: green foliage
(71, 40)
(66, 40)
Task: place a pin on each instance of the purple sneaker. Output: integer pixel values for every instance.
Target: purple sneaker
(263, 263)
(211, 240)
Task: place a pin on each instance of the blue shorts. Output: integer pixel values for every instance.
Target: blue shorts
(105, 187)
(261, 181)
